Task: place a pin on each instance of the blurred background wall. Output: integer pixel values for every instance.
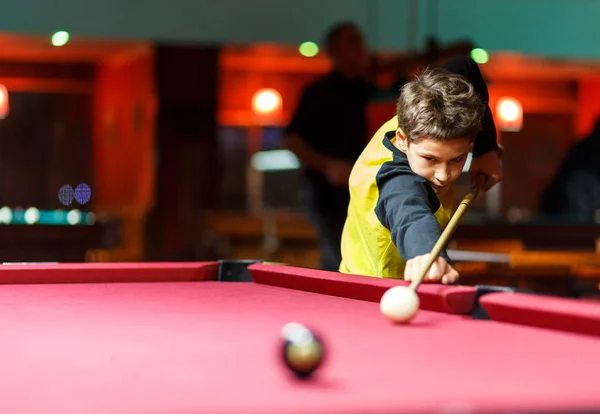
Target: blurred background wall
(152, 106)
(556, 28)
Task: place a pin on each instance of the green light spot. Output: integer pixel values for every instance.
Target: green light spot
(308, 49)
(479, 55)
(60, 38)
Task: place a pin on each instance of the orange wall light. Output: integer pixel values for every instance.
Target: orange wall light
(509, 114)
(266, 106)
(4, 106)
(266, 101)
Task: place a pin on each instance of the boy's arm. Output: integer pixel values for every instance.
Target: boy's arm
(406, 207)
(486, 140)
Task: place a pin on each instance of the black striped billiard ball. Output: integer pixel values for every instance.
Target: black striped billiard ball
(302, 350)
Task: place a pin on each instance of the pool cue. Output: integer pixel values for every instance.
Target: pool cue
(447, 233)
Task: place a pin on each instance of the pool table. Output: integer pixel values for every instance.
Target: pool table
(204, 338)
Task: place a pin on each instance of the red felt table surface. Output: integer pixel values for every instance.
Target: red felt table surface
(212, 347)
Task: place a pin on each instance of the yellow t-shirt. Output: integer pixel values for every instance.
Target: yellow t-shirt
(393, 215)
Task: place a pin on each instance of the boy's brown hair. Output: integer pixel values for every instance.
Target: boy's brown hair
(439, 105)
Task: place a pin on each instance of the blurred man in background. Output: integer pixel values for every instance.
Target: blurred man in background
(332, 109)
(574, 193)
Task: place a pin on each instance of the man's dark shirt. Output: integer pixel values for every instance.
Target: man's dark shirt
(331, 119)
(575, 191)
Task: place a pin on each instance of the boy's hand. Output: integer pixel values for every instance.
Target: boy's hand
(440, 270)
(488, 165)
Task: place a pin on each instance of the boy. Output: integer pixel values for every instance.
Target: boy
(401, 185)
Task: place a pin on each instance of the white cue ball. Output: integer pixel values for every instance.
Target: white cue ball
(399, 304)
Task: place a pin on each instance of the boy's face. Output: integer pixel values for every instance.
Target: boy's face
(439, 162)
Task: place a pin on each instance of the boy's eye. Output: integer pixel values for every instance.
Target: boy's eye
(429, 159)
(459, 159)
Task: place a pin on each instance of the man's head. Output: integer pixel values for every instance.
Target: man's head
(346, 46)
(439, 117)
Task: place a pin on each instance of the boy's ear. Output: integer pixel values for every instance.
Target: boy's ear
(401, 140)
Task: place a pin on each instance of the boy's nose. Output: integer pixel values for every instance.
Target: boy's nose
(442, 175)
